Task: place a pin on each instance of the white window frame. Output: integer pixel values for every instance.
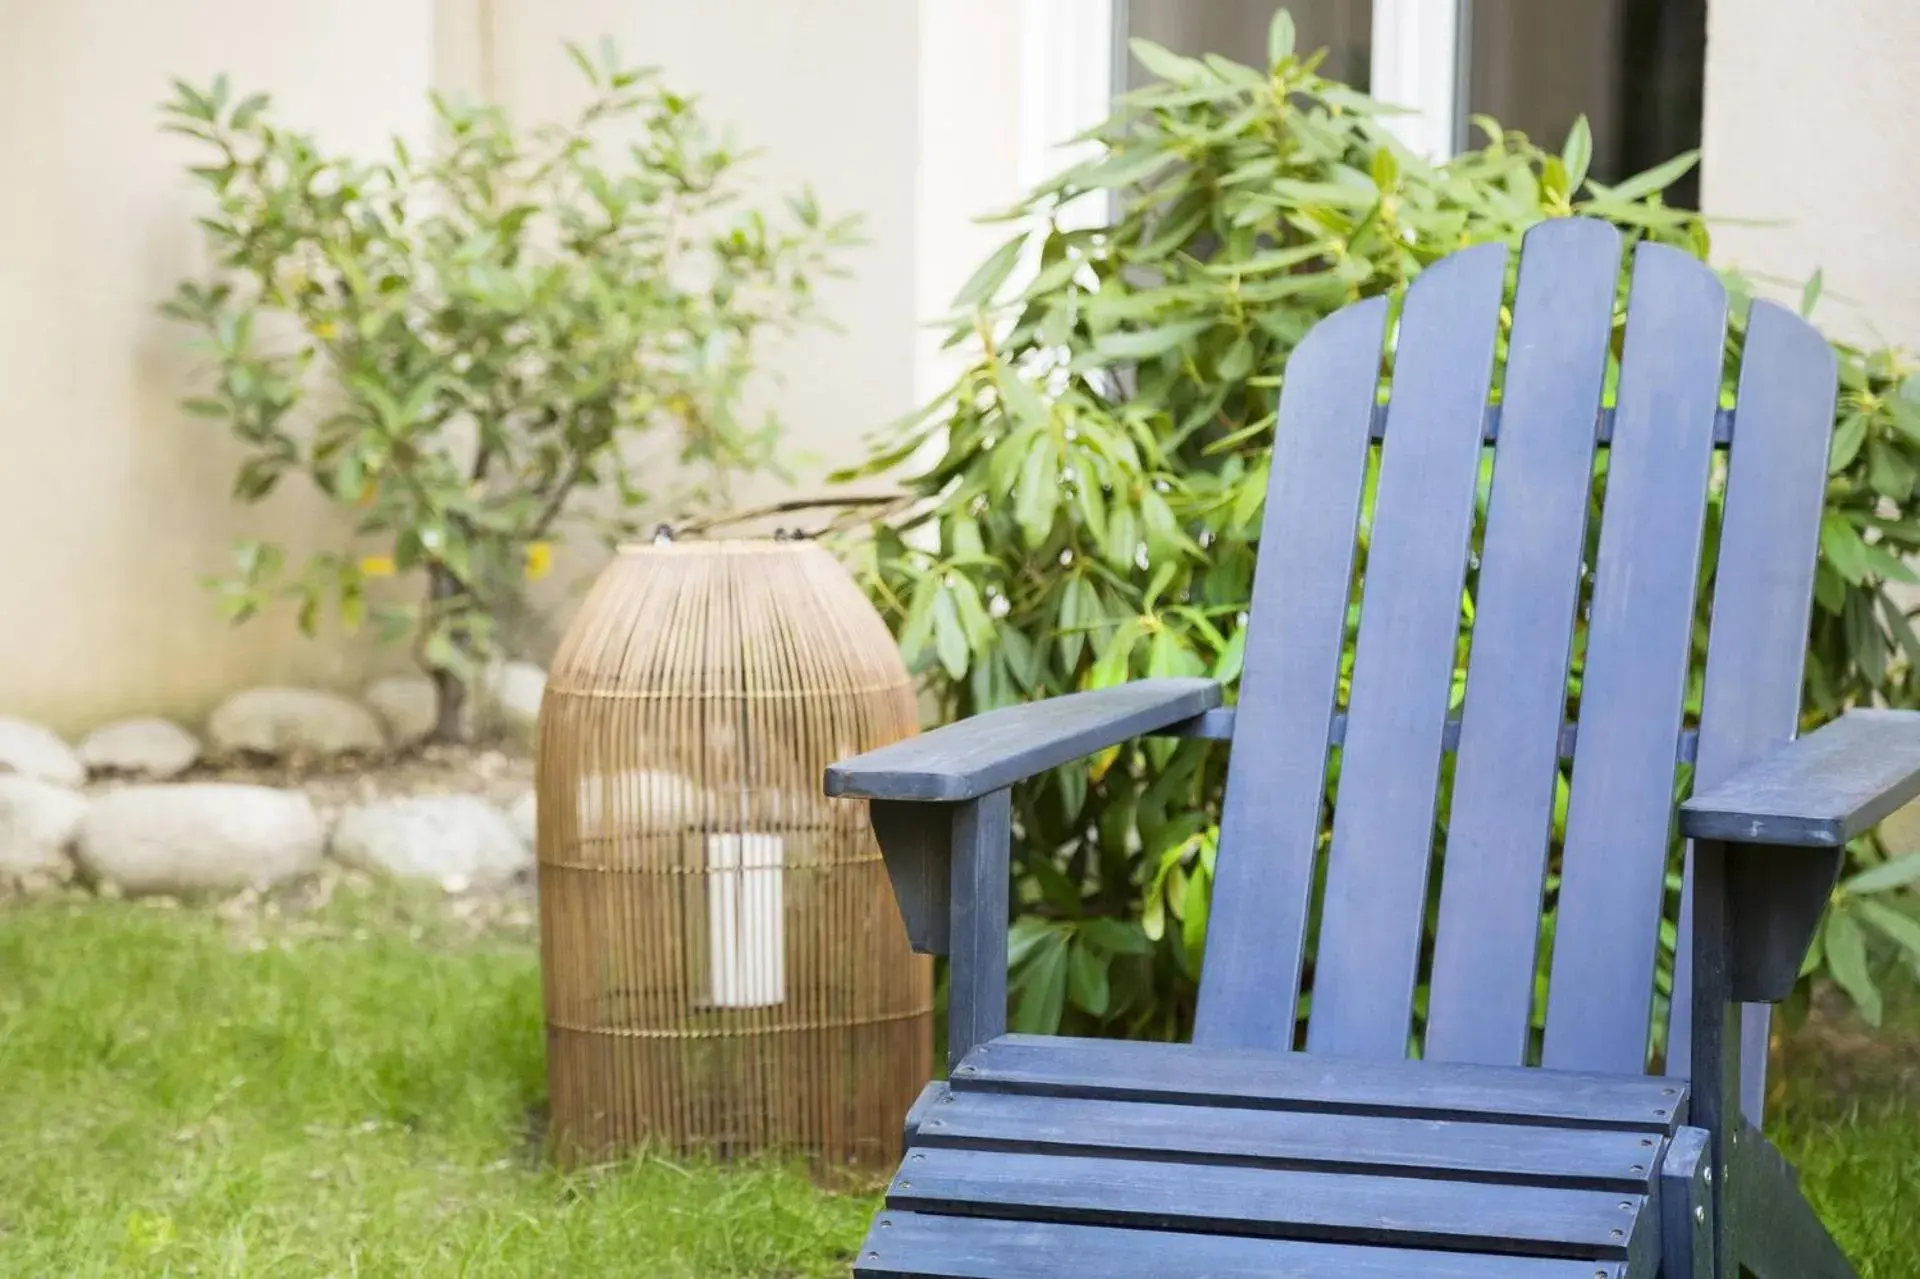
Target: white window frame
(1419, 60)
(1067, 85)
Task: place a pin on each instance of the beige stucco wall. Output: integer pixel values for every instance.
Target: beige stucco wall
(112, 502)
(1812, 122)
(826, 93)
(966, 160)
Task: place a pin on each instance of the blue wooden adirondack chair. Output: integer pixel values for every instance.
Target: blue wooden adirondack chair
(1244, 1153)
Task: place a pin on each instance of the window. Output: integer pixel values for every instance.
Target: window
(1237, 29)
(1635, 68)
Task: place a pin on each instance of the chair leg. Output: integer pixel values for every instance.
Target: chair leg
(1777, 1232)
(1686, 1207)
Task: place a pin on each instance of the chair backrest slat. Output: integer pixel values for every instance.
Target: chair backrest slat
(1289, 681)
(1505, 775)
(1370, 935)
(1633, 688)
(1763, 585)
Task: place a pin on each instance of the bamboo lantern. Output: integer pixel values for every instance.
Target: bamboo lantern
(724, 967)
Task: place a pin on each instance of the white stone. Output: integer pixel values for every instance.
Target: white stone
(407, 705)
(37, 824)
(33, 751)
(512, 692)
(199, 838)
(155, 748)
(288, 721)
(452, 840)
(525, 816)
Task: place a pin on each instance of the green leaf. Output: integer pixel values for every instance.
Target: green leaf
(1280, 37)
(1890, 471)
(1115, 661)
(1904, 407)
(1143, 344)
(1899, 928)
(1238, 361)
(1024, 936)
(1888, 567)
(1227, 667)
(1658, 178)
(1122, 170)
(1163, 529)
(1116, 937)
(1193, 918)
(1060, 893)
(949, 636)
(1840, 543)
(1829, 588)
(1022, 403)
(974, 621)
(1847, 964)
(1847, 439)
(1810, 294)
(1037, 496)
(1897, 873)
(1577, 154)
(1169, 66)
(1042, 990)
(1902, 631)
(1087, 980)
(1252, 497)
(990, 275)
(1386, 169)
(1333, 195)
(1079, 606)
(918, 627)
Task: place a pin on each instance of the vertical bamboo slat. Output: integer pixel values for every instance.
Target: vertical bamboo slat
(724, 967)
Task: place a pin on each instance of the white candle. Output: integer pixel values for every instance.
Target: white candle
(746, 920)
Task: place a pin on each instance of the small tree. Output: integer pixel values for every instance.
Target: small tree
(499, 322)
(1088, 493)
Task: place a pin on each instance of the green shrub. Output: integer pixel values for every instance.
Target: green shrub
(501, 320)
(1102, 470)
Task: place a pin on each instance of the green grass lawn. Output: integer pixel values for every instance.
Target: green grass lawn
(355, 1090)
(1850, 1119)
(345, 1100)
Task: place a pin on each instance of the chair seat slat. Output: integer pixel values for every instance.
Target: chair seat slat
(1191, 1075)
(1513, 1154)
(1274, 1203)
(924, 1246)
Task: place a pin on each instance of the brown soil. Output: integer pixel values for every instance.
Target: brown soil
(1839, 1052)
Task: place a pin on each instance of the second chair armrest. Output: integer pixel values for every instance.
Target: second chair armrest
(1773, 838)
(983, 753)
(1817, 791)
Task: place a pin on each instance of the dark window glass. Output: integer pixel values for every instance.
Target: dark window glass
(1634, 67)
(1237, 29)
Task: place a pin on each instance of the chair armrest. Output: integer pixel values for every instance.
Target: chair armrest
(989, 751)
(1774, 835)
(1817, 791)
